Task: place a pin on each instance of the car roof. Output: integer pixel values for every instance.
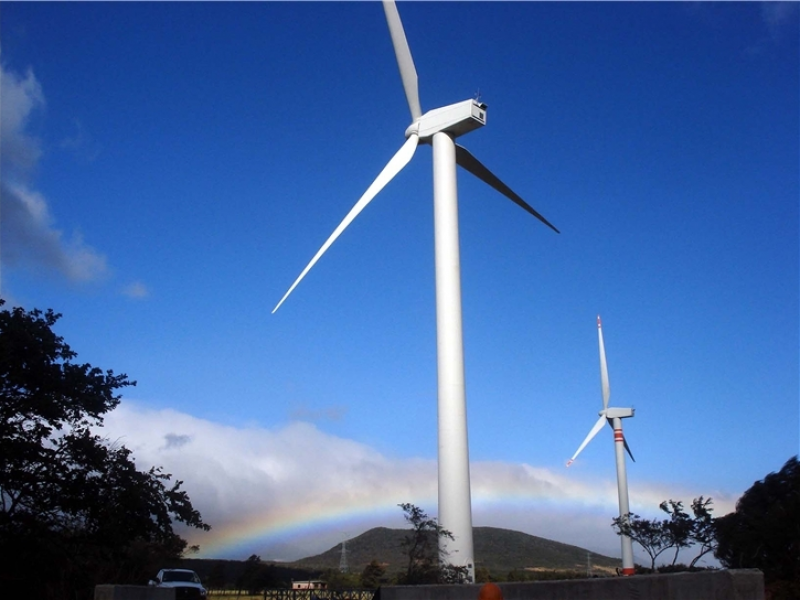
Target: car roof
(182, 570)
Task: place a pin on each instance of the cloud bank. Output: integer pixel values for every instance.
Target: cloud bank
(27, 230)
(294, 491)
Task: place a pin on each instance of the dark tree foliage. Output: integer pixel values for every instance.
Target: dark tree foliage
(243, 576)
(649, 534)
(215, 580)
(339, 581)
(372, 575)
(254, 577)
(74, 510)
(703, 534)
(483, 575)
(251, 568)
(683, 530)
(426, 563)
(678, 528)
(516, 575)
(421, 546)
(764, 531)
(679, 531)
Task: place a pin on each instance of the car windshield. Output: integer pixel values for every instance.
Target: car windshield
(181, 576)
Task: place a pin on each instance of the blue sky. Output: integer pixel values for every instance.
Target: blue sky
(169, 168)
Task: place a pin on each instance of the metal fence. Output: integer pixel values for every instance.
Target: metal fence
(353, 594)
(282, 594)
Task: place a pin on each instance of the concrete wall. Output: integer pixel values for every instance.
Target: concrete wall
(132, 592)
(742, 584)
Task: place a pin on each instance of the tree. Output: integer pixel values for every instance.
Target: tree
(679, 531)
(372, 575)
(649, 534)
(483, 575)
(426, 562)
(764, 531)
(215, 580)
(338, 580)
(256, 576)
(703, 528)
(74, 510)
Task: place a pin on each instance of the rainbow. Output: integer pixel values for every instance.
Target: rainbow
(313, 518)
(243, 536)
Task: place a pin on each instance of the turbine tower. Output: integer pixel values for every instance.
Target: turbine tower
(439, 127)
(614, 416)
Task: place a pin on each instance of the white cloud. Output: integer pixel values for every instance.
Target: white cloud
(30, 240)
(290, 492)
(20, 96)
(136, 290)
(29, 237)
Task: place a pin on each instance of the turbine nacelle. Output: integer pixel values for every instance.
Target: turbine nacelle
(454, 119)
(617, 413)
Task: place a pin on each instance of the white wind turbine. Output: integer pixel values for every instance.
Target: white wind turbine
(440, 127)
(613, 416)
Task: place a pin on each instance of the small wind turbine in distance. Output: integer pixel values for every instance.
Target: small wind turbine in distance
(613, 416)
(439, 127)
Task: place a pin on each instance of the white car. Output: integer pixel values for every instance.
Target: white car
(186, 583)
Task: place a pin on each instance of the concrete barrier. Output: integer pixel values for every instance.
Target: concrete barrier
(132, 592)
(740, 584)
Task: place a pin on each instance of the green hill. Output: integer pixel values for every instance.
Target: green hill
(499, 550)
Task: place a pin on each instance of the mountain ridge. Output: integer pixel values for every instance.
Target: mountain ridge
(496, 549)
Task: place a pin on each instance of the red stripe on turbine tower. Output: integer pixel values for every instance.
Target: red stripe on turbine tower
(618, 435)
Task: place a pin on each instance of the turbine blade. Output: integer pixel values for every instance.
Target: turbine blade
(466, 160)
(408, 73)
(392, 168)
(628, 448)
(603, 366)
(597, 427)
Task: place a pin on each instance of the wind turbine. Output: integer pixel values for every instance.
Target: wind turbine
(439, 127)
(613, 416)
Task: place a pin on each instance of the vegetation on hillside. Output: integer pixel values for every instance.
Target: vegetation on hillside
(513, 556)
(498, 553)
